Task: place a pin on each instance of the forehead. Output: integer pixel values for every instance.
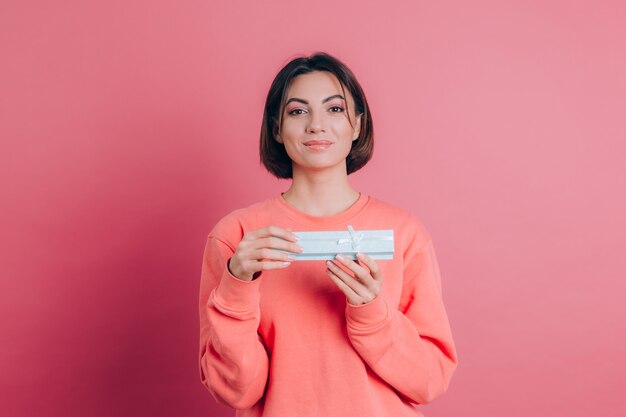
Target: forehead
(316, 86)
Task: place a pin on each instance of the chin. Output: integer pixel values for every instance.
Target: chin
(318, 167)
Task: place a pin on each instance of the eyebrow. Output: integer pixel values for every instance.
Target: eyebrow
(303, 101)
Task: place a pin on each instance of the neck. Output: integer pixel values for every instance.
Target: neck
(321, 193)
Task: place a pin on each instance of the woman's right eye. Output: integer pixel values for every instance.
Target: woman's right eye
(296, 111)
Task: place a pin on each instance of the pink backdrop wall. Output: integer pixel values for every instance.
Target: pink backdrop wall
(129, 127)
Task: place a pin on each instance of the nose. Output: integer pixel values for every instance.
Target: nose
(316, 123)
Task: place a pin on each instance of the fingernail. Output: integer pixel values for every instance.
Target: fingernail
(286, 263)
(340, 257)
(329, 263)
(300, 249)
(291, 257)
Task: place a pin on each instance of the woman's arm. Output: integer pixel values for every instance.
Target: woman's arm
(411, 348)
(233, 360)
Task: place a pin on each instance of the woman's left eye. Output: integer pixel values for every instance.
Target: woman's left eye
(336, 109)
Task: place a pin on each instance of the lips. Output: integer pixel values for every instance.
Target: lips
(318, 144)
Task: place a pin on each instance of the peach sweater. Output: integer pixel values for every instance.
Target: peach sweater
(288, 343)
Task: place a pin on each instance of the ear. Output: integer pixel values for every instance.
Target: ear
(275, 132)
(357, 127)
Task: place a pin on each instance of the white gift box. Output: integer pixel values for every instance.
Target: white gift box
(377, 244)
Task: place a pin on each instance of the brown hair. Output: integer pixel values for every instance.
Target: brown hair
(273, 154)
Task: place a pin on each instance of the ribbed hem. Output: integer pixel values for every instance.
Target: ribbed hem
(236, 294)
(369, 316)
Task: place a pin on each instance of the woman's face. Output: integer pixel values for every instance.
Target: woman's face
(315, 128)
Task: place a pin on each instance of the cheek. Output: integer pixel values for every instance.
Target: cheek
(289, 138)
(345, 130)
(290, 128)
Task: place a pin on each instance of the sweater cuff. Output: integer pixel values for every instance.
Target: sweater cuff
(369, 316)
(236, 294)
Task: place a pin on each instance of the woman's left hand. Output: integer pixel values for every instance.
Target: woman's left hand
(363, 285)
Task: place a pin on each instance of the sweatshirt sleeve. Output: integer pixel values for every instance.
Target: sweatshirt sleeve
(411, 348)
(233, 360)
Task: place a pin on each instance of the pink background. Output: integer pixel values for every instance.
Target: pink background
(129, 128)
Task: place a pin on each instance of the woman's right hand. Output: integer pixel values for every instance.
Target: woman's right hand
(257, 252)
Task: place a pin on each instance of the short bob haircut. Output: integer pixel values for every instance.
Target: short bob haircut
(273, 154)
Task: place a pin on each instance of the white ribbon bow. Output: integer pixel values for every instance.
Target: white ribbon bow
(355, 238)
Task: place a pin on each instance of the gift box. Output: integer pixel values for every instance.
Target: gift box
(378, 244)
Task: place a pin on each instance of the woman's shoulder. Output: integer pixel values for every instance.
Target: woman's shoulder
(393, 211)
(231, 226)
(404, 221)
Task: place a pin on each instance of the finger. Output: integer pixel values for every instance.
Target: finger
(272, 255)
(348, 279)
(268, 265)
(272, 231)
(360, 272)
(353, 298)
(371, 265)
(277, 243)
(250, 268)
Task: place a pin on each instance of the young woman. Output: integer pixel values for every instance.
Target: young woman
(344, 338)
